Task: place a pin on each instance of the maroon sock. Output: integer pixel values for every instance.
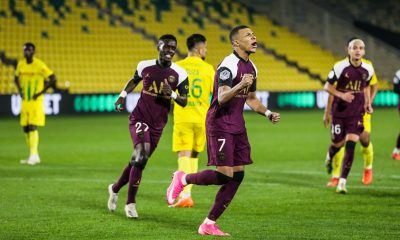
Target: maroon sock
(134, 181)
(124, 179)
(332, 151)
(225, 196)
(398, 142)
(207, 177)
(348, 159)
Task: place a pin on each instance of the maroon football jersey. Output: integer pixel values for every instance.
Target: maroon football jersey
(349, 78)
(152, 106)
(228, 117)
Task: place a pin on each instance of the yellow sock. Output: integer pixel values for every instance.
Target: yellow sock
(337, 163)
(33, 142)
(194, 164)
(368, 155)
(185, 166)
(27, 139)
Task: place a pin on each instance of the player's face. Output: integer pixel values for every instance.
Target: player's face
(247, 40)
(202, 49)
(166, 49)
(28, 51)
(356, 50)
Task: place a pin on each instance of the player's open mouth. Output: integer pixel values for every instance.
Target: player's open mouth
(254, 45)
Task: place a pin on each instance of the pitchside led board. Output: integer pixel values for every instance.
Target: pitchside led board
(63, 103)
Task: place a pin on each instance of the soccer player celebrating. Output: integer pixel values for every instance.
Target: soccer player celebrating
(31, 80)
(161, 77)
(189, 134)
(334, 165)
(351, 100)
(396, 89)
(227, 143)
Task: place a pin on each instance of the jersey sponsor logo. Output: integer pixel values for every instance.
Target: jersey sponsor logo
(224, 75)
(364, 76)
(171, 79)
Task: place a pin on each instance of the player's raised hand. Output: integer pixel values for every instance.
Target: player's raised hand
(327, 119)
(275, 117)
(119, 104)
(166, 88)
(247, 80)
(347, 96)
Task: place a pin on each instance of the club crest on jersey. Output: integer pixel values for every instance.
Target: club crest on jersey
(364, 76)
(346, 75)
(171, 79)
(224, 75)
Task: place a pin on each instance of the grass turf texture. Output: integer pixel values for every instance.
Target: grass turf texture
(283, 195)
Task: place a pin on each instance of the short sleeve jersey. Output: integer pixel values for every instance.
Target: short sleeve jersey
(201, 82)
(32, 76)
(349, 78)
(152, 106)
(228, 117)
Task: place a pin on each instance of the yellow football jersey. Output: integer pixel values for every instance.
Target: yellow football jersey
(32, 77)
(201, 83)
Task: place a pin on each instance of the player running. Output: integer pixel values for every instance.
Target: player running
(189, 134)
(31, 80)
(351, 100)
(161, 77)
(334, 165)
(227, 143)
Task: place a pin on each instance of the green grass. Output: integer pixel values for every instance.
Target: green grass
(283, 195)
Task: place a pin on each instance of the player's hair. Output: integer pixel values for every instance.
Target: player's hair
(235, 31)
(351, 39)
(167, 37)
(194, 39)
(29, 44)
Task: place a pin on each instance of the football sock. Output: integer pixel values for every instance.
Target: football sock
(337, 163)
(368, 155)
(398, 142)
(194, 165)
(184, 165)
(348, 159)
(207, 177)
(208, 221)
(225, 196)
(332, 151)
(124, 179)
(134, 181)
(33, 142)
(27, 140)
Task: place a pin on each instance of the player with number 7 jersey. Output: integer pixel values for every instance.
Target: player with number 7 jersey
(228, 147)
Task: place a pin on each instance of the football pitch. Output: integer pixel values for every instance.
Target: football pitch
(283, 195)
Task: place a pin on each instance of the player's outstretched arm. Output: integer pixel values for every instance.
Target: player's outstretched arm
(47, 85)
(328, 110)
(130, 85)
(256, 105)
(347, 96)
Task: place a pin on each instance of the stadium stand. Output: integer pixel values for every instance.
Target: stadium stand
(94, 45)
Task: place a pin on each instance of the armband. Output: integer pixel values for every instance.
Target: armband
(268, 113)
(123, 94)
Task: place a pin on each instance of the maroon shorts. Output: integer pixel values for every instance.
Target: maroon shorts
(142, 132)
(342, 126)
(226, 149)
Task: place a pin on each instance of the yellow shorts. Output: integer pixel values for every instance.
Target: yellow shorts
(32, 113)
(188, 136)
(367, 122)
